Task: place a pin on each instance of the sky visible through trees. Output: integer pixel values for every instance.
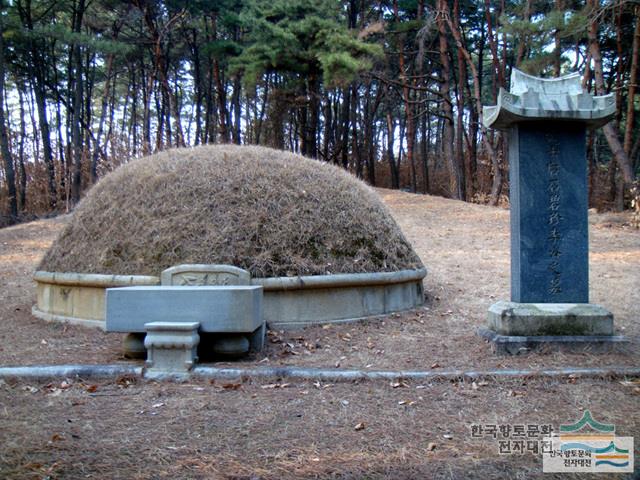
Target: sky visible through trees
(390, 90)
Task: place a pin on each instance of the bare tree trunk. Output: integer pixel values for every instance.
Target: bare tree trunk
(455, 189)
(371, 109)
(174, 109)
(263, 106)
(193, 42)
(523, 41)
(76, 126)
(221, 91)
(147, 82)
(496, 186)
(97, 148)
(610, 134)
(277, 115)
(619, 62)
(474, 123)
(4, 138)
(393, 165)
(314, 114)
(134, 115)
(161, 65)
(302, 117)
(36, 68)
(160, 115)
(344, 126)
(367, 128)
(108, 138)
(355, 147)
(237, 111)
(408, 106)
(633, 79)
(498, 73)
(327, 113)
(23, 134)
(424, 149)
(222, 102)
(33, 122)
(557, 51)
(635, 153)
(459, 159)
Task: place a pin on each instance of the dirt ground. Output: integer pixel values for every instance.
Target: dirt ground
(235, 430)
(124, 429)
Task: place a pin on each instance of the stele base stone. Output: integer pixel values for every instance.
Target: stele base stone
(522, 344)
(526, 319)
(516, 328)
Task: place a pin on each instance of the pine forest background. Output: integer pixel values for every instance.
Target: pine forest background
(390, 90)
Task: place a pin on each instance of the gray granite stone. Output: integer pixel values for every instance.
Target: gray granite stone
(523, 344)
(171, 347)
(230, 345)
(560, 99)
(527, 319)
(133, 346)
(201, 275)
(549, 225)
(257, 338)
(233, 309)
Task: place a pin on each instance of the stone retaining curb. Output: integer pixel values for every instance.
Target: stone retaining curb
(94, 279)
(334, 375)
(339, 280)
(274, 283)
(65, 371)
(289, 302)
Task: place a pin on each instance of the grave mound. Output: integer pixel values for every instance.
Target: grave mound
(273, 213)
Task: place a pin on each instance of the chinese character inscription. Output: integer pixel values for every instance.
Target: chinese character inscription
(554, 235)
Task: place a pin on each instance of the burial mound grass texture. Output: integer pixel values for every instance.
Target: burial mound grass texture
(270, 212)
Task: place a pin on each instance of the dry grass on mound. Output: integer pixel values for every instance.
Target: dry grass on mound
(271, 212)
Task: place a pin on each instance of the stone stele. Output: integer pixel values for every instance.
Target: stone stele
(546, 121)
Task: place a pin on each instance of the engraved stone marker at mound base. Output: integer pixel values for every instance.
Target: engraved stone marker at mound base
(546, 120)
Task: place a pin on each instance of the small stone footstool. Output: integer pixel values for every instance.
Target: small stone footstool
(172, 347)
